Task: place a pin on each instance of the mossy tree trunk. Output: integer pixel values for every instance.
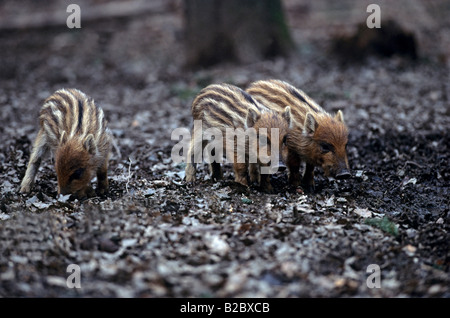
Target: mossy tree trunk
(234, 30)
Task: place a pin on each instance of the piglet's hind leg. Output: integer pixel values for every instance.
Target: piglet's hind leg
(40, 149)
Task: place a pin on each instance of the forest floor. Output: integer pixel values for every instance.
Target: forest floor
(153, 236)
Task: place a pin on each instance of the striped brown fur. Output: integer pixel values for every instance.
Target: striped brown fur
(318, 138)
(224, 106)
(75, 130)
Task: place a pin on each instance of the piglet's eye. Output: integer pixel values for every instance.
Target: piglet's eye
(77, 174)
(284, 140)
(326, 147)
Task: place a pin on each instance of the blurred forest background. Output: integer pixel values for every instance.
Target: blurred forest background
(240, 31)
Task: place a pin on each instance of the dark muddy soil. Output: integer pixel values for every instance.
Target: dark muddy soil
(153, 236)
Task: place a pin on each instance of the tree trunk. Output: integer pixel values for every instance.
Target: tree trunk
(234, 30)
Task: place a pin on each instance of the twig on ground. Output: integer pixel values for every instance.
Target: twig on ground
(129, 174)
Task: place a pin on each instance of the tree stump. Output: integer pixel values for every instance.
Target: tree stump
(234, 30)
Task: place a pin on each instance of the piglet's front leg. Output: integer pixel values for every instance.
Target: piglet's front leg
(240, 173)
(293, 164)
(265, 184)
(102, 179)
(308, 179)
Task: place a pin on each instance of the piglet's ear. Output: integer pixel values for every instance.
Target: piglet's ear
(63, 138)
(310, 125)
(252, 118)
(339, 116)
(288, 116)
(89, 144)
